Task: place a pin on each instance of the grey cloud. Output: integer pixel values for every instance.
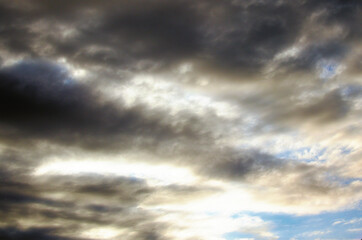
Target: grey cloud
(158, 31)
(328, 108)
(225, 35)
(346, 13)
(253, 167)
(126, 191)
(77, 217)
(39, 100)
(7, 197)
(309, 58)
(237, 165)
(305, 185)
(298, 106)
(12, 233)
(89, 201)
(253, 35)
(331, 107)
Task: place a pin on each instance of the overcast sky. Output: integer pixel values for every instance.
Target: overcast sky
(180, 119)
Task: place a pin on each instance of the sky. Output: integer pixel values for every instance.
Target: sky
(180, 119)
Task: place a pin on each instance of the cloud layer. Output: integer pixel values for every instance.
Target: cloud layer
(177, 119)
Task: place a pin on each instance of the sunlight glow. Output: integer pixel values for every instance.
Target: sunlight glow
(101, 233)
(153, 174)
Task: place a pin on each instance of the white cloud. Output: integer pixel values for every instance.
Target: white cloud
(354, 230)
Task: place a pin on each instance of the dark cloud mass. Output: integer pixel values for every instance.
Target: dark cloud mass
(157, 120)
(41, 97)
(41, 100)
(227, 34)
(30, 234)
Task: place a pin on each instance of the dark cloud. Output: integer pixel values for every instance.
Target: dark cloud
(40, 100)
(118, 208)
(252, 35)
(12, 233)
(231, 36)
(345, 13)
(126, 191)
(157, 29)
(118, 33)
(38, 94)
(237, 165)
(19, 198)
